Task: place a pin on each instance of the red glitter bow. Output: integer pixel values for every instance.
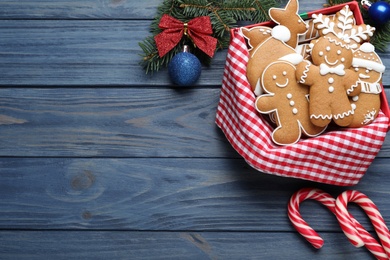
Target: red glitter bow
(198, 30)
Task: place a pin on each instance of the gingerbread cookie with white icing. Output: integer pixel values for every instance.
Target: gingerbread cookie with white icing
(287, 100)
(369, 68)
(330, 81)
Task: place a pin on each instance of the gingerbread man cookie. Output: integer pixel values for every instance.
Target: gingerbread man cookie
(272, 49)
(286, 99)
(369, 67)
(330, 81)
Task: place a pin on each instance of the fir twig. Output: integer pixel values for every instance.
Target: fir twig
(224, 15)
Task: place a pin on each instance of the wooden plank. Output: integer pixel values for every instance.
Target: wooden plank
(91, 9)
(114, 122)
(164, 194)
(142, 122)
(82, 9)
(172, 245)
(87, 53)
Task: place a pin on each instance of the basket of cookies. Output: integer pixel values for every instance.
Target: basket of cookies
(302, 95)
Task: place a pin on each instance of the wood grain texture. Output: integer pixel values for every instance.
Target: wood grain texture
(88, 53)
(81, 9)
(172, 245)
(100, 161)
(82, 53)
(163, 194)
(114, 122)
(92, 9)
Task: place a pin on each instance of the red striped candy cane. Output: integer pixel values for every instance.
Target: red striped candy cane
(327, 200)
(369, 208)
(295, 216)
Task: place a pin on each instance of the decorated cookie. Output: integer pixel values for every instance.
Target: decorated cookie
(330, 81)
(270, 44)
(287, 17)
(369, 67)
(343, 26)
(287, 101)
(272, 49)
(290, 18)
(255, 35)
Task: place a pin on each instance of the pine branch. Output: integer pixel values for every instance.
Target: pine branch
(381, 37)
(262, 7)
(223, 14)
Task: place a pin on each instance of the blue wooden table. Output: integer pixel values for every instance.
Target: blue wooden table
(100, 161)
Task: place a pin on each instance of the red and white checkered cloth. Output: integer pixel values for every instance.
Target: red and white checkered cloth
(339, 157)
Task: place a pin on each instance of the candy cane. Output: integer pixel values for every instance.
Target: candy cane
(312, 236)
(295, 216)
(370, 209)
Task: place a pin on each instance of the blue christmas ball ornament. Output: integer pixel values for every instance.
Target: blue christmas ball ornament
(379, 11)
(184, 69)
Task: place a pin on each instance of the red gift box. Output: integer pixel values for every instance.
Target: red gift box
(339, 157)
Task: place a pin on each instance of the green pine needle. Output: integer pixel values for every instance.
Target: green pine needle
(224, 16)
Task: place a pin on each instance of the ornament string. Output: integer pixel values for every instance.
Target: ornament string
(198, 30)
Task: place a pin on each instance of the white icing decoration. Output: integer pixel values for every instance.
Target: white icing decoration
(339, 70)
(338, 52)
(331, 89)
(355, 98)
(292, 103)
(327, 48)
(293, 58)
(321, 53)
(339, 43)
(284, 73)
(371, 88)
(304, 73)
(289, 95)
(369, 117)
(352, 88)
(281, 32)
(336, 116)
(347, 31)
(330, 63)
(367, 47)
(321, 116)
(378, 67)
(274, 77)
(282, 85)
(295, 111)
(330, 80)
